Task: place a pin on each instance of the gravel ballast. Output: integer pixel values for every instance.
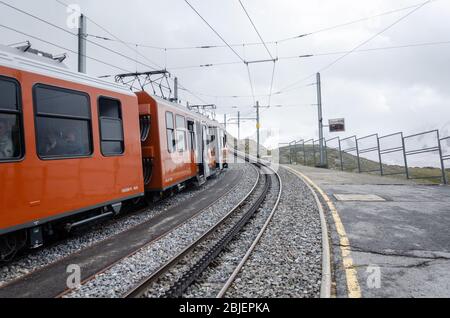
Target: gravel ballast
(287, 262)
(98, 232)
(163, 284)
(123, 276)
(211, 281)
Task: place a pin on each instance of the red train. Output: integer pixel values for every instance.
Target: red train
(74, 149)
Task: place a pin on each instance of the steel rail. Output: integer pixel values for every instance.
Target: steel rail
(67, 291)
(183, 283)
(139, 289)
(247, 255)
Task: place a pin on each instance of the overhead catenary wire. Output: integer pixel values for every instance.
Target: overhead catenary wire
(273, 42)
(376, 35)
(268, 51)
(115, 37)
(129, 46)
(226, 43)
(251, 84)
(73, 34)
(272, 82)
(214, 30)
(256, 29)
(361, 44)
(92, 42)
(206, 66)
(340, 25)
(295, 57)
(62, 47)
(412, 45)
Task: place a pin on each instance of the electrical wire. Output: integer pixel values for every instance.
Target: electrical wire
(251, 84)
(129, 46)
(362, 44)
(217, 33)
(256, 30)
(274, 42)
(74, 34)
(62, 47)
(295, 57)
(272, 82)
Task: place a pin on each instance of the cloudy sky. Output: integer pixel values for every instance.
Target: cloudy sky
(377, 91)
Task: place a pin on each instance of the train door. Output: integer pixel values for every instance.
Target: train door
(205, 150)
(219, 147)
(192, 140)
(199, 150)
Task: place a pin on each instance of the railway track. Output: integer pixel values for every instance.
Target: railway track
(174, 277)
(50, 281)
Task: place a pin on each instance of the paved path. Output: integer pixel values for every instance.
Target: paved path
(406, 238)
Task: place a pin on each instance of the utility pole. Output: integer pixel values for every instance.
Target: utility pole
(239, 126)
(175, 90)
(319, 105)
(82, 44)
(257, 130)
(225, 122)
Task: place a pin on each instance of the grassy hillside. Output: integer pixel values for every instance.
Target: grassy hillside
(351, 164)
(250, 146)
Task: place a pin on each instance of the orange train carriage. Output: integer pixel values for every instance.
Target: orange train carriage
(73, 148)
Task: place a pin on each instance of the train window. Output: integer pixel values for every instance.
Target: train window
(170, 132)
(63, 123)
(61, 102)
(11, 142)
(111, 126)
(191, 130)
(181, 133)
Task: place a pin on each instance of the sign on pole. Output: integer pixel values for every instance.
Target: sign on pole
(337, 125)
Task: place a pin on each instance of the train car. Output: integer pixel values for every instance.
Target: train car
(69, 145)
(74, 148)
(181, 146)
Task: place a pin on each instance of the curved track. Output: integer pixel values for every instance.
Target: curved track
(233, 276)
(50, 281)
(244, 210)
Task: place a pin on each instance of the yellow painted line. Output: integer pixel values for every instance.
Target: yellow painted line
(353, 288)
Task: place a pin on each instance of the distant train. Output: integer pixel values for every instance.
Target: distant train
(74, 149)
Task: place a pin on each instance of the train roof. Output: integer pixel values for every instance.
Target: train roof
(15, 58)
(187, 111)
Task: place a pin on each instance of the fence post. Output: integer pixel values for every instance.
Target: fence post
(444, 175)
(379, 155)
(314, 152)
(304, 154)
(290, 153)
(357, 155)
(340, 154)
(235, 150)
(404, 155)
(295, 153)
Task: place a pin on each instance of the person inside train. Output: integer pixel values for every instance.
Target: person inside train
(72, 145)
(51, 146)
(6, 142)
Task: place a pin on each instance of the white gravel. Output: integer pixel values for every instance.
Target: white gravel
(120, 278)
(98, 232)
(159, 288)
(211, 281)
(287, 261)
